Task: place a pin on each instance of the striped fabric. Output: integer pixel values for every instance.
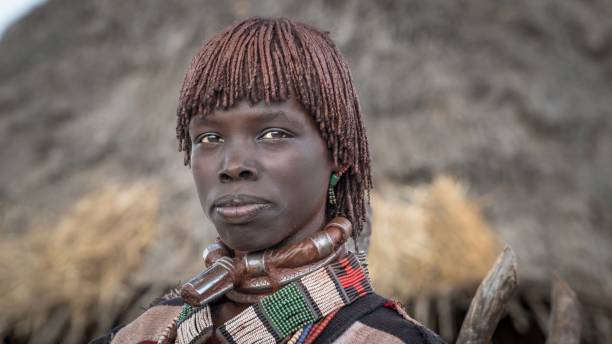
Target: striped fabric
(195, 326)
(293, 308)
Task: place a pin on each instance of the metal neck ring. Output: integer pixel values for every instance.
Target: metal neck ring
(255, 263)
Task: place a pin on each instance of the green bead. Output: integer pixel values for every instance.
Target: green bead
(334, 179)
(287, 309)
(185, 312)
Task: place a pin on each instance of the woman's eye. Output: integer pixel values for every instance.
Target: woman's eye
(209, 139)
(274, 135)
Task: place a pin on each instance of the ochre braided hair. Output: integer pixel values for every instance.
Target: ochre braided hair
(273, 59)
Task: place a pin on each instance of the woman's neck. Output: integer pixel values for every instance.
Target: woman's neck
(308, 229)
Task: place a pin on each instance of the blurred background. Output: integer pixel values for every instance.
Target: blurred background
(490, 123)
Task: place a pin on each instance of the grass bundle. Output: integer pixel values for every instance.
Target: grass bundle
(428, 240)
(59, 282)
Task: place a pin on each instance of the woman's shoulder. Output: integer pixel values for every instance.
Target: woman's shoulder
(374, 318)
(146, 327)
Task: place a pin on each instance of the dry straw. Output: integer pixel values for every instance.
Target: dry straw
(428, 240)
(57, 282)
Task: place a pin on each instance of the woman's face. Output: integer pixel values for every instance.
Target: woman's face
(261, 173)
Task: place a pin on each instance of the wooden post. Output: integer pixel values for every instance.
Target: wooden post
(488, 304)
(564, 325)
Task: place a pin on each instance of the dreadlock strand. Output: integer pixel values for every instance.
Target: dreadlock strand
(271, 69)
(290, 39)
(321, 75)
(282, 60)
(218, 64)
(305, 67)
(232, 56)
(282, 79)
(264, 68)
(235, 67)
(331, 110)
(322, 91)
(250, 69)
(235, 54)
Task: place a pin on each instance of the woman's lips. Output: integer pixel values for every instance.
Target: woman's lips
(240, 213)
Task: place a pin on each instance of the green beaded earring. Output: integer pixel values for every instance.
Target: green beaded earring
(333, 181)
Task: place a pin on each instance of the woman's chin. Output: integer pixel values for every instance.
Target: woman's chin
(250, 247)
(246, 242)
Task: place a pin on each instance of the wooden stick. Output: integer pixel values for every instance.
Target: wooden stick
(490, 300)
(565, 323)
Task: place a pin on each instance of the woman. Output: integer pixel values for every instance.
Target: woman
(271, 126)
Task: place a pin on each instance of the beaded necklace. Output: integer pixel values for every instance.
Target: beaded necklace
(299, 311)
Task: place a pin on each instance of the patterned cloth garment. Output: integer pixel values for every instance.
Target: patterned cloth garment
(334, 304)
(292, 309)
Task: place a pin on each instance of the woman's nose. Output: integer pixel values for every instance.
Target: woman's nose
(238, 165)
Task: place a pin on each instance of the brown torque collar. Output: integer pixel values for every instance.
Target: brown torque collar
(247, 278)
(251, 290)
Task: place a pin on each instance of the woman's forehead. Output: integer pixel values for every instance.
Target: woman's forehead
(289, 111)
